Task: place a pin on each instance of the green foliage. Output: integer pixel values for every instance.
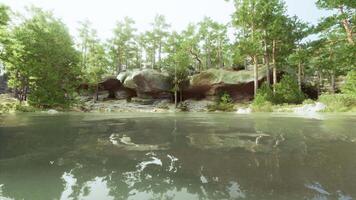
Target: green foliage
(41, 59)
(338, 102)
(263, 99)
(261, 106)
(308, 101)
(350, 85)
(287, 91)
(265, 93)
(215, 43)
(335, 4)
(183, 106)
(94, 60)
(123, 47)
(223, 103)
(11, 105)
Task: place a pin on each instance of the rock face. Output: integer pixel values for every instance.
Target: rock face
(147, 83)
(116, 89)
(238, 84)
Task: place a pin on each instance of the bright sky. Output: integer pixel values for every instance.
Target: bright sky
(104, 13)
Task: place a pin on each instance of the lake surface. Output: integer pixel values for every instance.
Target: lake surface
(177, 156)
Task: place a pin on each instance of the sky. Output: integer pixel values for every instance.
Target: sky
(104, 14)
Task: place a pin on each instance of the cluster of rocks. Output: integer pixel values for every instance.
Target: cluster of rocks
(152, 84)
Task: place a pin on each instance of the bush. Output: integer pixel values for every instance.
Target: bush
(10, 107)
(308, 101)
(264, 93)
(223, 103)
(338, 102)
(263, 99)
(287, 91)
(183, 106)
(350, 84)
(262, 106)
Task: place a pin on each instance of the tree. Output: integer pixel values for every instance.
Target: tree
(346, 15)
(178, 61)
(335, 53)
(122, 45)
(4, 19)
(94, 61)
(41, 60)
(299, 59)
(248, 19)
(272, 12)
(214, 42)
(159, 36)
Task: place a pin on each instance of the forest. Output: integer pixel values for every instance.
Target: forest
(44, 64)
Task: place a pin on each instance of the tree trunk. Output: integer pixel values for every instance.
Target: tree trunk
(175, 86)
(153, 57)
(208, 58)
(221, 64)
(333, 85)
(180, 95)
(96, 93)
(200, 63)
(119, 65)
(347, 26)
(175, 98)
(159, 55)
(255, 71)
(300, 75)
(319, 83)
(274, 65)
(267, 64)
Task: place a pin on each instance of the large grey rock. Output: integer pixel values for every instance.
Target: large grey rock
(221, 76)
(146, 82)
(209, 84)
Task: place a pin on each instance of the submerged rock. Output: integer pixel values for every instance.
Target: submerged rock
(125, 143)
(252, 142)
(244, 111)
(52, 112)
(310, 108)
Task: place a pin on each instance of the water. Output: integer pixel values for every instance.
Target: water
(177, 156)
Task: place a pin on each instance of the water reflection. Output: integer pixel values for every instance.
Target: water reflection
(215, 156)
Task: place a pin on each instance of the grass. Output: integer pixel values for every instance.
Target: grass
(339, 102)
(12, 105)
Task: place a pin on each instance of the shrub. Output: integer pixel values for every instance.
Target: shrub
(264, 93)
(338, 102)
(287, 91)
(263, 99)
(308, 101)
(9, 107)
(264, 106)
(183, 106)
(350, 84)
(223, 103)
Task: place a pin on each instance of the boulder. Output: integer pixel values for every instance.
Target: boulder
(148, 83)
(116, 89)
(238, 84)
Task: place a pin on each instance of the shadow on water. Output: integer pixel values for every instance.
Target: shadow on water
(177, 156)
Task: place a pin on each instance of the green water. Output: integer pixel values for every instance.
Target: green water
(177, 156)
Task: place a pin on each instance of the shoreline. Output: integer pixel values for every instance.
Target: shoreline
(121, 106)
